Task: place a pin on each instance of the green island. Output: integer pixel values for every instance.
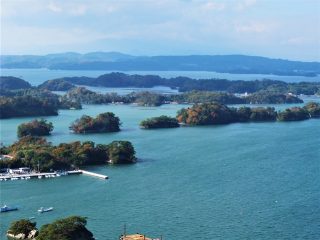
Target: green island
(216, 113)
(56, 85)
(104, 122)
(185, 84)
(13, 83)
(25, 100)
(73, 227)
(35, 128)
(159, 122)
(33, 102)
(86, 96)
(42, 156)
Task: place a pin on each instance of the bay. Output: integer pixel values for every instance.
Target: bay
(237, 181)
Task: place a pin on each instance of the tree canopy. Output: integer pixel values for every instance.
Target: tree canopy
(23, 226)
(121, 152)
(216, 113)
(36, 152)
(159, 122)
(35, 128)
(104, 122)
(70, 228)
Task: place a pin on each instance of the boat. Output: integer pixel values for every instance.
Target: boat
(5, 208)
(42, 209)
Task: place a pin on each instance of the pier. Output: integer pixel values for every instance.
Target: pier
(31, 175)
(94, 174)
(26, 176)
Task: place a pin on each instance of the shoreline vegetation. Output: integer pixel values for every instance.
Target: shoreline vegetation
(73, 227)
(42, 156)
(185, 84)
(39, 101)
(104, 122)
(216, 113)
(35, 128)
(159, 122)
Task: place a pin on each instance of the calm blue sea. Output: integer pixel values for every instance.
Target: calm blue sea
(237, 181)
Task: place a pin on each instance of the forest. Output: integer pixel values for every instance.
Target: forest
(159, 122)
(104, 122)
(35, 128)
(216, 113)
(38, 154)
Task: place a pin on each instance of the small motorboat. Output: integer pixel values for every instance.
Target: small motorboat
(43, 210)
(5, 208)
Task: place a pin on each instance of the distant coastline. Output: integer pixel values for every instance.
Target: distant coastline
(115, 61)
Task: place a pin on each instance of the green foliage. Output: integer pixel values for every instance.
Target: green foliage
(185, 84)
(86, 96)
(33, 102)
(293, 114)
(104, 122)
(26, 106)
(159, 122)
(313, 109)
(264, 97)
(13, 83)
(214, 113)
(35, 128)
(207, 114)
(70, 228)
(261, 114)
(206, 97)
(24, 226)
(121, 152)
(148, 99)
(56, 85)
(36, 152)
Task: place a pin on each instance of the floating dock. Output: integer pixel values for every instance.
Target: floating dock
(94, 174)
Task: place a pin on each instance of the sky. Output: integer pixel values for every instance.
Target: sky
(288, 29)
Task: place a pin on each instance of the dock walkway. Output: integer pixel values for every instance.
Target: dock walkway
(26, 176)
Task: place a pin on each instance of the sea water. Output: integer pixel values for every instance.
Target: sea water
(236, 181)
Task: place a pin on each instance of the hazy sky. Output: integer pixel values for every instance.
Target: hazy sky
(275, 28)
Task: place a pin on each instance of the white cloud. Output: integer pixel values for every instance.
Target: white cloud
(251, 28)
(244, 4)
(54, 7)
(78, 10)
(40, 37)
(213, 6)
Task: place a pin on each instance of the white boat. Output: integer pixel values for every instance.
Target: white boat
(42, 209)
(39, 177)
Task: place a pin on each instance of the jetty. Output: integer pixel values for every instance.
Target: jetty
(94, 174)
(42, 175)
(39, 175)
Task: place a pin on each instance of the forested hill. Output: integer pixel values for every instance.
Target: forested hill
(123, 62)
(185, 84)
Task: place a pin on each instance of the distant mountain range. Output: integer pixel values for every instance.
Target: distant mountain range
(114, 61)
